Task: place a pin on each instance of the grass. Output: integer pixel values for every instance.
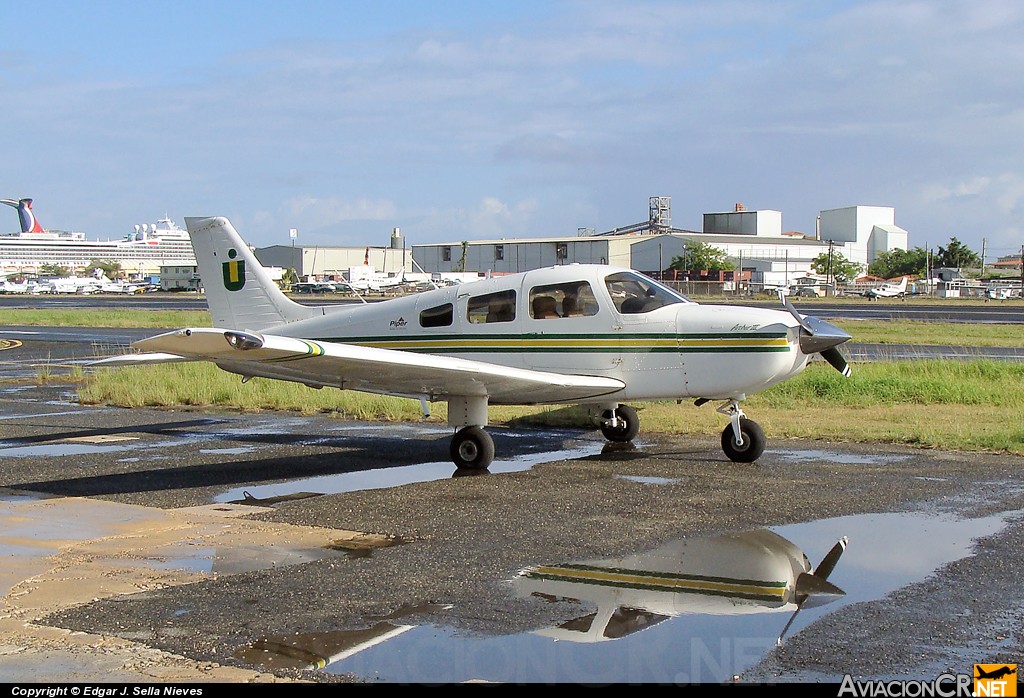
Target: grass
(919, 332)
(975, 405)
(77, 317)
(952, 405)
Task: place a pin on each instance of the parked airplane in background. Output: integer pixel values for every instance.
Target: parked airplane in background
(589, 334)
(888, 290)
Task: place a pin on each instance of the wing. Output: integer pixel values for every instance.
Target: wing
(367, 369)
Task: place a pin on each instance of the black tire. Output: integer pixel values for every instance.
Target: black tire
(628, 425)
(753, 444)
(472, 448)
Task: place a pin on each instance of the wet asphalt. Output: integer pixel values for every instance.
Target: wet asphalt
(457, 540)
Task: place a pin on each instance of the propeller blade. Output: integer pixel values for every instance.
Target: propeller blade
(837, 360)
(789, 623)
(828, 563)
(814, 589)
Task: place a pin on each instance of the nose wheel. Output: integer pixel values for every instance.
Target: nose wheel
(743, 441)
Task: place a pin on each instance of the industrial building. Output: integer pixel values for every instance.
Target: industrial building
(335, 262)
(754, 238)
(765, 253)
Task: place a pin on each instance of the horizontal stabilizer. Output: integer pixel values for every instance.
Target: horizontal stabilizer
(140, 359)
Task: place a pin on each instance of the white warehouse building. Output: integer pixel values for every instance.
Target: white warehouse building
(755, 239)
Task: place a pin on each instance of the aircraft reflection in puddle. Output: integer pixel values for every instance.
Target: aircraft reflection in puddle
(310, 651)
(753, 572)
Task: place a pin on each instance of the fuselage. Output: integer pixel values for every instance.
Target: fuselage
(732, 574)
(590, 320)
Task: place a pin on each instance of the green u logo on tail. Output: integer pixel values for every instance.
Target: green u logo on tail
(234, 272)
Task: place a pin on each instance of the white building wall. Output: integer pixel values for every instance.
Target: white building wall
(864, 231)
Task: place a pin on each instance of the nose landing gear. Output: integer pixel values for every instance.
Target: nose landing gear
(743, 441)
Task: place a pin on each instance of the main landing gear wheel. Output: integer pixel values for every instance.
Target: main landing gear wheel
(753, 442)
(472, 448)
(626, 427)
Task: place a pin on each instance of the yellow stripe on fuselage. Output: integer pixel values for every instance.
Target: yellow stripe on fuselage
(581, 344)
(676, 583)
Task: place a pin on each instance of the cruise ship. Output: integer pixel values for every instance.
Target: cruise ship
(141, 252)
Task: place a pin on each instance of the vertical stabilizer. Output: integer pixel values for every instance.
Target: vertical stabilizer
(239, 291)
(29, 224)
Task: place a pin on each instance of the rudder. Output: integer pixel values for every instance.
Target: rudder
(239, 291)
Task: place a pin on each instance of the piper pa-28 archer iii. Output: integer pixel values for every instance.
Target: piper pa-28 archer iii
(888, 290)
(586, 334)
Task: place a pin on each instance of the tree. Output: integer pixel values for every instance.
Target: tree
(956, 255)
(835, 266)
(111, 269)
(53, 270)
(700, 256)
(893, 263)
(462, 262)
(288, 277)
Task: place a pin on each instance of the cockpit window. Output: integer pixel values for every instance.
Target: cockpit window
(571, 299)
(636, 293)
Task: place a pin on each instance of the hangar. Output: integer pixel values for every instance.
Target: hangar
(754, 238)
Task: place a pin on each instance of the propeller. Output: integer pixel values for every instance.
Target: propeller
(820, 337)
(814, 589)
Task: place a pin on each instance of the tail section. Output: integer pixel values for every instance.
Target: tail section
(29, 224)
(239, 291)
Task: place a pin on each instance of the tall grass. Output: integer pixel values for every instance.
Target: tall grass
(93, 317)
(965, 405)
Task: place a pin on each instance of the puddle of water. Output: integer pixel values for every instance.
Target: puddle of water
(403, 475)
(649, 480)
(228, 451)
(847, 458)
(67, 449)
(660, 635)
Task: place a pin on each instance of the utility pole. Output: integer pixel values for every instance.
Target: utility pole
(984, 244)
(828, 270)
(292, 232)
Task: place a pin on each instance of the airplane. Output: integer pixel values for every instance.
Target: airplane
(999, 673)
(732, 574)
(29, 224)
(888, 290)
(483, 342)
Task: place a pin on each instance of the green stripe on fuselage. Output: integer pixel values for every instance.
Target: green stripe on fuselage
(568, 343)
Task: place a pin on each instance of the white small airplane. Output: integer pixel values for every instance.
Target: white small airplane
(733, 574)
(888, 290)
(588, 334)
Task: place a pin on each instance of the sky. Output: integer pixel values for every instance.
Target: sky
(474, 120)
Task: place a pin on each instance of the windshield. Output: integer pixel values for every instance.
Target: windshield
(636, 293)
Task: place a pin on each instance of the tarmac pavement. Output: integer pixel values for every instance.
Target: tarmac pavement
(138, 488)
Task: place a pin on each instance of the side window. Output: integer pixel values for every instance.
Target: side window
(441, 316)
(492, 307)
(574, 299)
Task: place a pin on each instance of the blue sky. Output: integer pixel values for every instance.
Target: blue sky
(464, 120)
